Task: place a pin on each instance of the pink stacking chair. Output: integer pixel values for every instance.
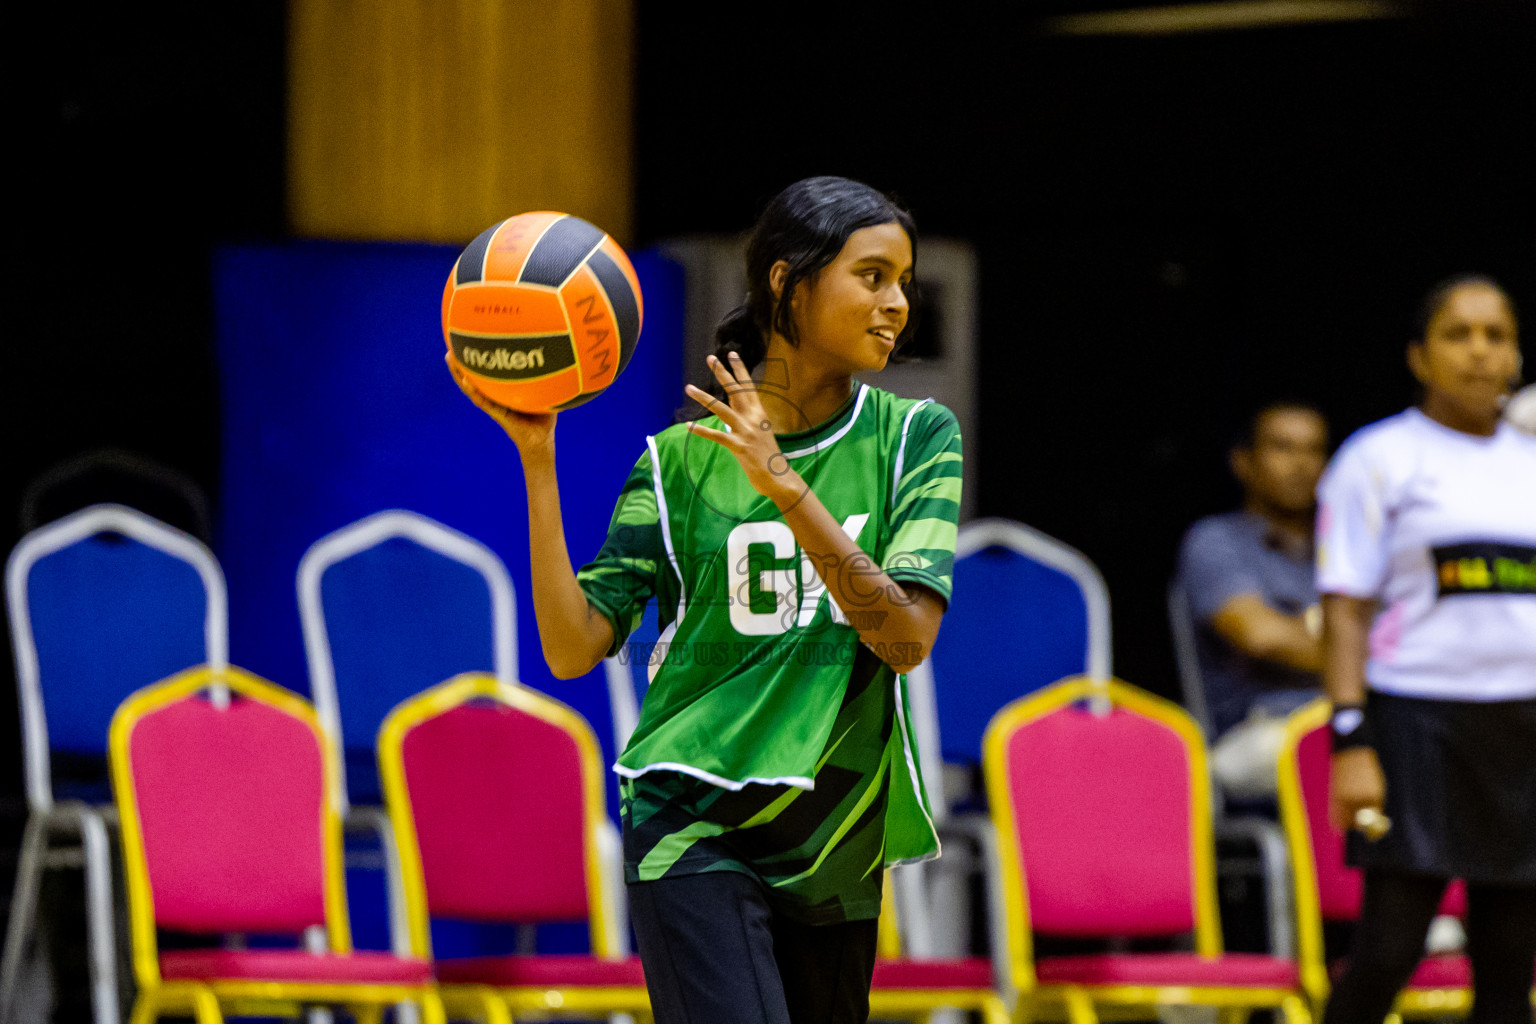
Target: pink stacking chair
(1101, 800)
(1327, 889)
(495, 793)
(231, 826)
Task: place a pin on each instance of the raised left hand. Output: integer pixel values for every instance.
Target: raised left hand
(750, 438)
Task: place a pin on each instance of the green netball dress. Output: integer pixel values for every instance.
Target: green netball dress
(771, 740)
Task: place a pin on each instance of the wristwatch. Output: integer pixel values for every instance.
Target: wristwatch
(1349, 728)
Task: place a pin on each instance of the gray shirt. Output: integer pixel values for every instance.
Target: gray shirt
(1230, 554)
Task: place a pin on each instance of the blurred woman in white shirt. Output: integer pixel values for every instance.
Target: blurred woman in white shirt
(1427, 567)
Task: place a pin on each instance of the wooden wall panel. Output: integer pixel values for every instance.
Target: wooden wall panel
(431, 119)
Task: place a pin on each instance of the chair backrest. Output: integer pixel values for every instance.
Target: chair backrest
(101, 603)
(495, 792)
(1026, 611)
(1181, 626)
(390, 605)
(228, 813)
(117, 476)
(1103, 819)
(1326, 887)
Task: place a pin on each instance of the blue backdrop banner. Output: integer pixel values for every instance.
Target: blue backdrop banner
(336, 404)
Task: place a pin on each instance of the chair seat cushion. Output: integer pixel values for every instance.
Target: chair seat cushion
(551, 971)
(296, 965)
(1230, 969)
(960, 972)
(1451, 970)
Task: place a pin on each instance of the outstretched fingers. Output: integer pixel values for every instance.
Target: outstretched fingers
(734, 379)
(734, 375)
(740, 410)
(720, 437)
(710, 402)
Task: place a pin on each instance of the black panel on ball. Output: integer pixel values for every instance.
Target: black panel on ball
(621, 296)
(580, 399)
(523, 357)
(471, 265)
(563, 248)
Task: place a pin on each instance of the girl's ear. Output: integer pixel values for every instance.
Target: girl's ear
(776, 275)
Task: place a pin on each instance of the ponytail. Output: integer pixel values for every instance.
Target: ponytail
(739, 332)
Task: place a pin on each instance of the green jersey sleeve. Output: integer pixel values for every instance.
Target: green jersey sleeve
(926, 506)
(623, 576)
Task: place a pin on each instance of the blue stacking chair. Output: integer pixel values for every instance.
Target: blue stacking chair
(1027, 610)
(102, 602)
(391, 605)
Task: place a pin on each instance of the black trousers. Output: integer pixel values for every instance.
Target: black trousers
(716, 953)
(1389, 942)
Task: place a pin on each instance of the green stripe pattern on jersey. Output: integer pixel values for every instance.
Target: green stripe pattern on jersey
(771, 740)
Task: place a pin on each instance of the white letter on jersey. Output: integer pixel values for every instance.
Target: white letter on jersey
(778, 582)
(812, 585)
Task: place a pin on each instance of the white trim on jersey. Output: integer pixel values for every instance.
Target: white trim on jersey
(798, 781)
(663, 642)
(901, 449)
(909, 748)
(827, 442)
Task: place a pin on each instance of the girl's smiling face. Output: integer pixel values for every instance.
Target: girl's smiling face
(851, 313)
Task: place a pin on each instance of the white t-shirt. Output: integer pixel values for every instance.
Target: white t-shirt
(1440, 527)
(1521, 410)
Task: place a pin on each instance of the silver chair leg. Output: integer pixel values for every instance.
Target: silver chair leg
(79, 822)
(997, 919)
(1275, 864)
(100, 930)
(375, 821)
(18, 932)
(74, 821)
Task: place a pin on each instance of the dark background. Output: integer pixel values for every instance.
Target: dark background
(1169, 230)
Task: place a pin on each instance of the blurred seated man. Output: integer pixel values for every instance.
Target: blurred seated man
(1248, 579)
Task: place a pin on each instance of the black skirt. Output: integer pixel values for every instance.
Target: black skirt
(1461, 789)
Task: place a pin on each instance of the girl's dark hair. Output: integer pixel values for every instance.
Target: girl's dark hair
(1440, 294)
(806, 225)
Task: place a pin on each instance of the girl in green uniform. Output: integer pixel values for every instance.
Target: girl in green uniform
(798, 540)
